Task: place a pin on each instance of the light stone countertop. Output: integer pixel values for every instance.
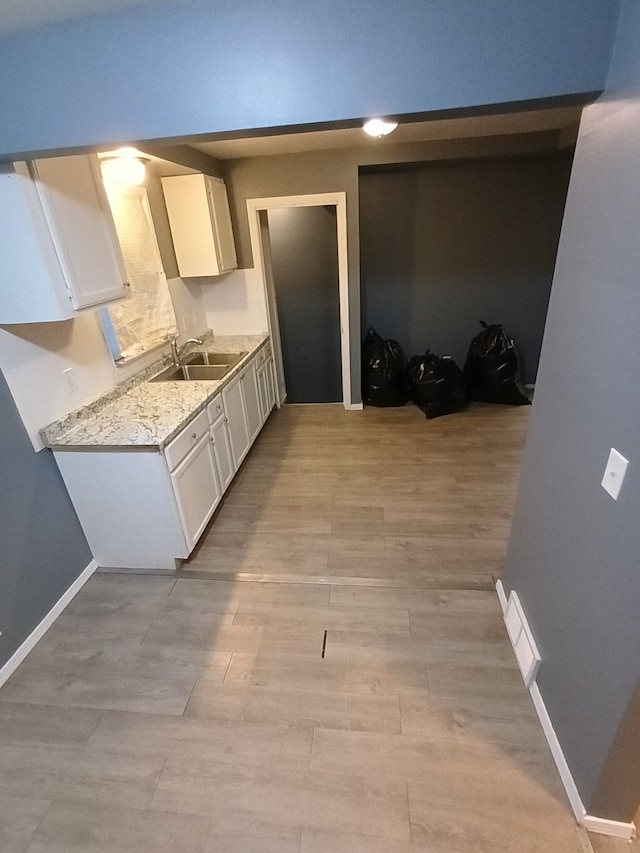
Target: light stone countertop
(146, 415)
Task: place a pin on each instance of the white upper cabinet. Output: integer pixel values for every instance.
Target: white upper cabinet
(198, 209)
(60, 251)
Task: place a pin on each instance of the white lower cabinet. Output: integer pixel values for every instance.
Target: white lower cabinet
(253, 412)
(141, 508)
(269, 369)
(195, 480)
(244, 413)
(126, 505)
(266, 387)
(225, 466)
(262, 392)
(238, 431)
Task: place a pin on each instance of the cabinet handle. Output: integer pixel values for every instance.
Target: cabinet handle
(194, 436)
(126, 283)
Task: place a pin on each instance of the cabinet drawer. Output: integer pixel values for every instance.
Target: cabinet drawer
(184, 441)
(215, 409)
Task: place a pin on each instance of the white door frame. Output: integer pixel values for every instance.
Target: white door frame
(339, 201)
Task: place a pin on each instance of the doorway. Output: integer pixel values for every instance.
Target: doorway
(258, 212)
(304, 263)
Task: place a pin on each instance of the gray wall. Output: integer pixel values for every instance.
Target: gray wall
(574, 553)
(43, 548)
(444, 246)
(337, 171)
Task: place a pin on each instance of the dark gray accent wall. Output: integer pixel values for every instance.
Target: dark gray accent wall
(43, 548)
(337, 171)
(574, 553)
(443, 246)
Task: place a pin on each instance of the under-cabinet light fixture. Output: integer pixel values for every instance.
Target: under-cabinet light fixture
(124, 166)
(379, 127)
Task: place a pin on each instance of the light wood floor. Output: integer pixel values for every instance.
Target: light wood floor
(329, 674)
(382, 495)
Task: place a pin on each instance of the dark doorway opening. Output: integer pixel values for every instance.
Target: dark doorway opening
(304, 258)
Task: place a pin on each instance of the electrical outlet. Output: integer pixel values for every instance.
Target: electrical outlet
(70, 379)
(614, 473)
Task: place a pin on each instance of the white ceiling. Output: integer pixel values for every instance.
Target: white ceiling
(560, 118)
(16, 15)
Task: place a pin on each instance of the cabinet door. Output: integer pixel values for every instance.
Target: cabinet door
(252, 401)
(234, 407)
(262, 392)
(77, 211)
(195, 485)
(221, 219)
(58, 249)
(271, 384)
(222, 453)
(200, 221)
(126, 506)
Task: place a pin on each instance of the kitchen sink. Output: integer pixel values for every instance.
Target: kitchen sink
(206, 366)
(214, 358)
(193, 372)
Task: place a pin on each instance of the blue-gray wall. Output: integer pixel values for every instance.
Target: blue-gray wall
(42, 548)
(178, 69)
(443, 246)
(574, 553)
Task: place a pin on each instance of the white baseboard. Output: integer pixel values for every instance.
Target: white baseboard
(502, 596)
(616, 828)
(354, 407)
(38, 632)
(590, 823)
(558, 755)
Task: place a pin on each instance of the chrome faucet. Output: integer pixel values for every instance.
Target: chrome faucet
(176, 351)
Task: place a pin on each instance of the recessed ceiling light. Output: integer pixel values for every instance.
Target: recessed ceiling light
(124, 166)
(379, 127)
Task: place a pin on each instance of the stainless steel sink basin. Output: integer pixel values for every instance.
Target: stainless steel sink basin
(193, 372)
(214, 358)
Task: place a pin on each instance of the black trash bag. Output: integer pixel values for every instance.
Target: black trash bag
(383, 381)
(491, 371)
(437, 385)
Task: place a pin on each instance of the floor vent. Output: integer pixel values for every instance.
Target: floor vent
(524, 646)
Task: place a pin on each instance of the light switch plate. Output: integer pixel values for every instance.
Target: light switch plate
(614, 473)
